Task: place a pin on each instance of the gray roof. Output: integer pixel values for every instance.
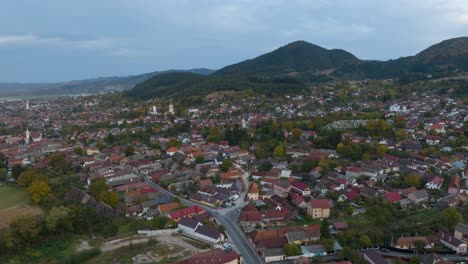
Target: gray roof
(272, 252)
(462, 228)
(207, 231)
(188, 222)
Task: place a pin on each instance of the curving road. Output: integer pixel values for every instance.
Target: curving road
(226, 217)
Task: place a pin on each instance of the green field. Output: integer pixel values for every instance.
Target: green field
(11, 196)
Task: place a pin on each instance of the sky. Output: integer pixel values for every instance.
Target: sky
(62, 40)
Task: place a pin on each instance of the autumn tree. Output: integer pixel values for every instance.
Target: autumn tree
(28, 176)
(26, 228)
(412, 179)
(98, 186)
(296, 133)
(279, 151)
(39, 190)
(109, 197)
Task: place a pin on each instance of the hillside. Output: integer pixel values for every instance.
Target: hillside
(295, 59)
(188, 84)
(443, 59)
(289, 68)
(88, 86)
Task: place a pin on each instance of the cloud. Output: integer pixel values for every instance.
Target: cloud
(108, 46)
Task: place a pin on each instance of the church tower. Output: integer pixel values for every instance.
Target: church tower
(27, 136)
(171, 107)
(27, 104)
(153, 110)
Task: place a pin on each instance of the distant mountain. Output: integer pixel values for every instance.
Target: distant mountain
(297, 58)
(443, 59)
(88, 86)
(289, 68)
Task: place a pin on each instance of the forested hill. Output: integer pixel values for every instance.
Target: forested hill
(290, 68)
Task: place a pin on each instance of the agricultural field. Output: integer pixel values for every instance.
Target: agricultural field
(11, 196)
(14, 203)
(11, 213)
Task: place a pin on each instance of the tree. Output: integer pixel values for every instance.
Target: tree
(381, 149)
(265, 166)
(225, 165)
(16, 171)
(79, 151)
(109, 197)
(365, 241)
(59, 163)
(412, 179)
(27, 228)
(296, 133)
(159, 222)
(279, 151)
(414, 260)
(176, 200)
(221, 229)
(199, 159)
(325, 228)
(98, 186)
(451, 217)
(28, 176)
(291, 249)
(59, 220)
(328, 243)
(420, 245)
(129, 150)
(39, 190)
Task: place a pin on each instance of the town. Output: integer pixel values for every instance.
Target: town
(352, 172)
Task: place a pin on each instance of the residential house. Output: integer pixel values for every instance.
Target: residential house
(319, 208)
(435, 183)
(250, 219)
(312, 251)
(252, 194)
(410, 242)
(461, 232)
(300, 188)
(373, 257)
(186, 212)
(273, 254)
(166, 209)
(452, 242)
(418, 196)
(455, 184)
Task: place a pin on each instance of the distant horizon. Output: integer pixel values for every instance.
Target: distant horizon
(89, 39)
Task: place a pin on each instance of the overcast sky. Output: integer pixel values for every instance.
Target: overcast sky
(60, 40)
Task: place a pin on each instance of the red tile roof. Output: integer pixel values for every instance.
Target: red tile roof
(186, 212)
(392, 197)
(320, 203)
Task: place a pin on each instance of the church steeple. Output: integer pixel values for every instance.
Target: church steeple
(171, 107)
(27, 105)
(27, 136)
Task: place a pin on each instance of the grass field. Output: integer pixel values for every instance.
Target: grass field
(11, 196)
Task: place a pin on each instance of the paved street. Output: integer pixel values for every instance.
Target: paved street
(227, 217)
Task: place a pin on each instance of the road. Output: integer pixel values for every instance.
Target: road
(390, 253)
(227, 217)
